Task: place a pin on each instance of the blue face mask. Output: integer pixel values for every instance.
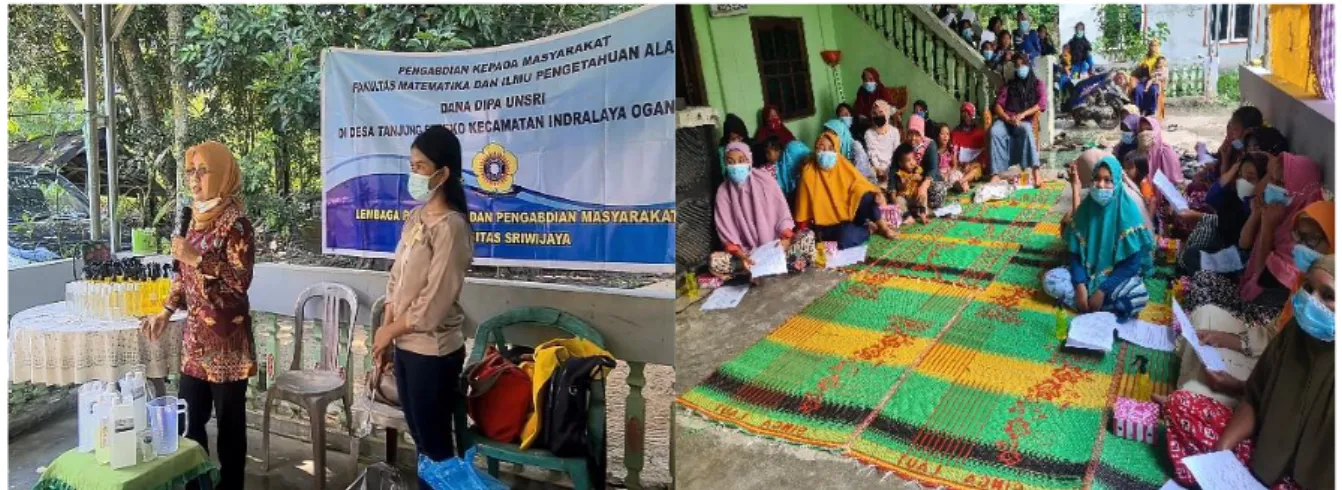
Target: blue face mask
(1304, 256)
(1313, 316)
(1237, 145)
(1128, 137)
(847, 120)
(1022, 72)
(869, 86)
(1080, 34)
(1275, 194)
(987, 55)
(827, 159)
(967, 33)
(1101, 196)
(1024, 25)
(738, 172)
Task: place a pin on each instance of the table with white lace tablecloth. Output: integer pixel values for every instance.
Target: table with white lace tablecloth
(51, 344)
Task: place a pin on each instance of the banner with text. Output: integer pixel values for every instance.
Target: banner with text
(567, 143)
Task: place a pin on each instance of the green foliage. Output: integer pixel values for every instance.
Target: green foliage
(252, 76)
(1121, 34)
(1227, 88)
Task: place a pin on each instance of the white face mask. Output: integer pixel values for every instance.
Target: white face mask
(419, 186)
(205, 206)
(1244, 188)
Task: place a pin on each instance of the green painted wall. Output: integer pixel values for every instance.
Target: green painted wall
(863, 47)
(727, 53)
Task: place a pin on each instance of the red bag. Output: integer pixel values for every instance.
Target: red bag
(498, 396)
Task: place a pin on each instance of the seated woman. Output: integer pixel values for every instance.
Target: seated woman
(1282, 426)
(1110, 251)
(881, 140)
(1232, 203)
(733, 131)
(1128, 138)
(969, 138)
(771, 126)
(1255, 294)
(989, 50)
(916, 187)
(960, 175)
(851, 149)
(1163, 159)
(1081, 171)
(1146, 93)
(1241, 343)
(869, 92)
(835, 200)
(751, 211)
(1242, 121)
(1019, 101)
(845, 113)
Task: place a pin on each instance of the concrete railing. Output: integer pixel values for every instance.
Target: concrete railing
(638, 325)
(1305, 119)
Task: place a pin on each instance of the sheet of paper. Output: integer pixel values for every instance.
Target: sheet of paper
(769, 259)
(1203, 156)
(1220, 470)
(952, 209)
(1172, 485)
(1170, 192)
(1227, 260)
(1147, 335)
(847, 257)
(1207, 354)
(1094, 331)
(726, 297)
(970, 154)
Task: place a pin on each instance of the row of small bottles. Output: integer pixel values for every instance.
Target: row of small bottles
(120, 290)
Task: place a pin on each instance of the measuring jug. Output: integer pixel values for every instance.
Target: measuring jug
(163, 412)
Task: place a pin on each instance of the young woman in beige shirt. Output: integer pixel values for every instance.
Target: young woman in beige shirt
(423, 316)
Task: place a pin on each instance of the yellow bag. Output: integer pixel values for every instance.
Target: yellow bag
(548, 357)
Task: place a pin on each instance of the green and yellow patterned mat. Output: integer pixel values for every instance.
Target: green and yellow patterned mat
(937, 360)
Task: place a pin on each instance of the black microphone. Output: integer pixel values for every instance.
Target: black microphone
(183, 226)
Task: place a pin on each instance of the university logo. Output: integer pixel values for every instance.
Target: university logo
(494, 168)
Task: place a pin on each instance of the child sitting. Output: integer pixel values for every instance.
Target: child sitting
(913, 185)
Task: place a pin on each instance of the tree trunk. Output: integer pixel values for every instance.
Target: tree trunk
(176, 35)
(146, 118)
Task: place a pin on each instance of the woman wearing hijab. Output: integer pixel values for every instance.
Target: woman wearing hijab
(851, 149)
(1152, 55)
(1161, 158)
(930, 191)
(1146, 94)
(1082, 171)
(1011, 137)
(423, 317)
(835, 200)
(1231, 198)
(751, 211)
(1128, 141)
(881, 140)
(869, 92)
(1242, 343)
(218, 356)
(771, 125)
(1046, 45)
(1080, 47)
(1110, 250)
(733, 130)
(1243, 121)
(1282, 427)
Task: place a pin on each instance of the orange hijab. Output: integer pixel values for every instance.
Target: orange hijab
(223, 180)
(830, 197)
(1322, 213)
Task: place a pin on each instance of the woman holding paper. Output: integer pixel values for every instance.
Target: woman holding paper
(1110, 249)
(1242, 341)
(1282, 427)
(1232, 202)
(751, 211)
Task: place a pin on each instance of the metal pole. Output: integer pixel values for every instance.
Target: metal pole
(91, 129)
(109, 98)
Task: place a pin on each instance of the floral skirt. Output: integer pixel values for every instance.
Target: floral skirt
(1210, 288)
(1196, 423)
(800, 255)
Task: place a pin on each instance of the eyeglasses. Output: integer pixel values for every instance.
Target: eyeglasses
(197, 172)
(1309, 240)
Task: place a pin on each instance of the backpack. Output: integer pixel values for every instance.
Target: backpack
(564, 419)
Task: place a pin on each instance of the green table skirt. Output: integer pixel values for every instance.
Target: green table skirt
(80, 471)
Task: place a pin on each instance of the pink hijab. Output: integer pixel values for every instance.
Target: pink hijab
(1162, 157)
(753, 212)
(1301, 178)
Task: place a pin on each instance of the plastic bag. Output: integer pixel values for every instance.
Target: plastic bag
(457, 474)
(379, 476)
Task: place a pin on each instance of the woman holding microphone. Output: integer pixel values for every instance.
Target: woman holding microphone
(216, 257)
(422, 320)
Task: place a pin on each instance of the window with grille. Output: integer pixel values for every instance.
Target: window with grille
(785, 73)
(1230, 23)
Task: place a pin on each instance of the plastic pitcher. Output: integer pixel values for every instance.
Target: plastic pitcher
(163, 412)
